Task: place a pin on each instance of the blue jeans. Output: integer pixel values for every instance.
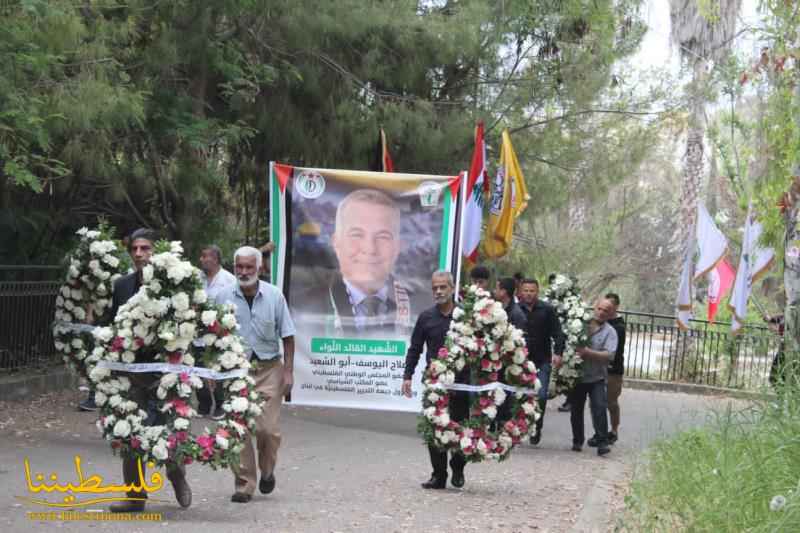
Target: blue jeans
(544, 378)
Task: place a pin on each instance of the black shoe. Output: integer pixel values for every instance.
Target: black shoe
(566, 408)
(241, 497)
(592, 442)
(536, 438)
(457, 479)
(612, 437)
(219, 414)
(127, 506)
(267, 484)
(602, 450)
(576, 447)
(434, 483)
(88, 404)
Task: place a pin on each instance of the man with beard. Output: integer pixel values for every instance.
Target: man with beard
(265, 324)
(143, 385)
(543, 335)
(430, 331)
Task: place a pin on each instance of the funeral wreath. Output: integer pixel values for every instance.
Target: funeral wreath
(171, 318)
(482, 343)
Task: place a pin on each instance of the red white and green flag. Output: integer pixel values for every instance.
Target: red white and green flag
(473, 214)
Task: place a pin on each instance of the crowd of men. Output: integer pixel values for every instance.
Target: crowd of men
(603, 365)
(268, 330)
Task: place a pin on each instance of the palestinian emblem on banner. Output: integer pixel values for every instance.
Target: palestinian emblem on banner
(429, 193)
(310, 184)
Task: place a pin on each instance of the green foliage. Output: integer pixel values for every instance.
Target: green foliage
(723, 477)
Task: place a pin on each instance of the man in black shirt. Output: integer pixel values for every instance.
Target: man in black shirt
(542, 329)
(616, 369)
(504, 293)
(430, 331)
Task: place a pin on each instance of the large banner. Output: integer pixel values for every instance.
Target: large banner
(354, 254)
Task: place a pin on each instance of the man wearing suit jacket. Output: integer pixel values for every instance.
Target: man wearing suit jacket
(143, 386)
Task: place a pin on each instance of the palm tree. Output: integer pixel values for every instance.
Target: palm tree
(703, 36)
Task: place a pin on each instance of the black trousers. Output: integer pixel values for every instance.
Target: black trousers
(598, 403)
(142, 391)
(204, 397)
(459, 409)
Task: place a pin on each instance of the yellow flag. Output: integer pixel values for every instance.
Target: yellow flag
(509, 200)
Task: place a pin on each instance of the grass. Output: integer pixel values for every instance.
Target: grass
(723, 477)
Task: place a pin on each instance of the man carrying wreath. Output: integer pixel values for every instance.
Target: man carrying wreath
(143, 386)
(431, 330)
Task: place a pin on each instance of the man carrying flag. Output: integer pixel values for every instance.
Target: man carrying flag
(473, 214)
(509, 200)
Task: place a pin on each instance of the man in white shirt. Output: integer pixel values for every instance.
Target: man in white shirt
(215, 280)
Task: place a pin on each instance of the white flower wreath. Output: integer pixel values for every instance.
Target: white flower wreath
(574, 315)
(93, 266)
(167, 317)
(481, 338)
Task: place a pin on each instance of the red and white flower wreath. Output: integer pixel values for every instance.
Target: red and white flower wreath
(480, 338)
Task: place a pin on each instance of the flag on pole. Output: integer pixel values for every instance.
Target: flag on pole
(509, 200)
(753, 263)
(381, 160)
(709, 243)
(473, 213)
(720, 280)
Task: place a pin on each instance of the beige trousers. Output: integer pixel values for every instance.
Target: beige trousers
(269, 382)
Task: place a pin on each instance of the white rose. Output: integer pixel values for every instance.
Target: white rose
(99, 398)
(187, 330)
(122, 428)
(222, 442)
(229, 320)
(180, 301)
(208, 317)
(147, 273)
(181, 424)
(160, 450)
(200, 297)
(239, 404)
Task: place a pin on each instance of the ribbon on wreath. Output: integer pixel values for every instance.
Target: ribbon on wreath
(489, 386)
(205, 373)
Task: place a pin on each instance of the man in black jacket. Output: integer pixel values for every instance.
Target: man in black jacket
(543, 335)
(430, 331)
(143, 385)
(616, 369)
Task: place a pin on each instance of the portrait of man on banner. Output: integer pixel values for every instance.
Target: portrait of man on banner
(361, 255)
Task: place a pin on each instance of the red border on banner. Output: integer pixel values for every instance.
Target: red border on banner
(283, 173)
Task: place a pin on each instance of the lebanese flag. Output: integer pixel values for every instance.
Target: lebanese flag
(473, 214)
(720, 281)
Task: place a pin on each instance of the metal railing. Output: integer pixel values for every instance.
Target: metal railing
(706, 354)
(26, 314)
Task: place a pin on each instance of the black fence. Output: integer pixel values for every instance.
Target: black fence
(706, 354)
(27, 305)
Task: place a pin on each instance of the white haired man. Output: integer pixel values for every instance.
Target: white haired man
(265, 323)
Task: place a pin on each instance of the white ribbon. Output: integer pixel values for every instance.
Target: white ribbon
(74, 327)
(205, 373)
(489, 386)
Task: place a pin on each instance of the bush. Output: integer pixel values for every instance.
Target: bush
(739, 473)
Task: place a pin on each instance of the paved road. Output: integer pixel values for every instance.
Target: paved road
(345, 470)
